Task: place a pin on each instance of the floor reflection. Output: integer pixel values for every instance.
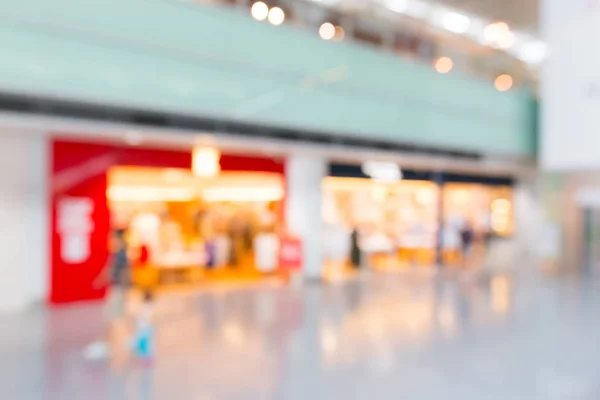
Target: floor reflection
(425, 336)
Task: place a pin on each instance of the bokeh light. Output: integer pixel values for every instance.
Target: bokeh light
(503, 82)
(276, 16)
(259, 11)
(443, 65)
(327, 31)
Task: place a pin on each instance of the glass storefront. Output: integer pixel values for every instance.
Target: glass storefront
(388, 226)
(190, 227)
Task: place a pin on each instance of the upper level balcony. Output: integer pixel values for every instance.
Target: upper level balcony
(448, 39)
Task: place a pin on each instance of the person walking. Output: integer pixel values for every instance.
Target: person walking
(116, 275)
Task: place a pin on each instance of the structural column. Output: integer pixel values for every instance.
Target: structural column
(304, 175)
(24, 212)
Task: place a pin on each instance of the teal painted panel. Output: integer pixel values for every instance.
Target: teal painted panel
(214, 62)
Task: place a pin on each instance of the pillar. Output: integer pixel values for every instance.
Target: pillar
(304, 175)
(24, 212)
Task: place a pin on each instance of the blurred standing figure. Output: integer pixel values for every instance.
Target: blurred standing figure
(116, 274)
(355, 253)
(466, 236)
(120, 276)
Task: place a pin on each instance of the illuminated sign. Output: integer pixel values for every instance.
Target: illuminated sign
(382, 171)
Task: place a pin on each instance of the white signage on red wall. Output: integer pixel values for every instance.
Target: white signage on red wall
(75, 226)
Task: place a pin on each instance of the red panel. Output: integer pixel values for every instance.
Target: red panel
(135, 156)
(79, 170)
(253, 164)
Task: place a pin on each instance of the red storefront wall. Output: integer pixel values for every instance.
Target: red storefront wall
(79, 175)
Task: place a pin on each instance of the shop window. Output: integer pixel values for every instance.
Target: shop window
(222, 227)
(396, 223)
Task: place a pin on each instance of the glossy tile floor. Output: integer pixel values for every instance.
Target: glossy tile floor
(409, 336)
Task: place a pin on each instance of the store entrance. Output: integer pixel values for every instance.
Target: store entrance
(391, 226)
(192, 230)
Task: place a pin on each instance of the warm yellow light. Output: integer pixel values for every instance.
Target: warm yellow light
(501, 206)
(340, 33)
(503, 82)
(329, 341)
(506, 40)
(174, 175)
(205, 162)
(500, 292)
(243, 194)
(425, 196)
(259, 11)
(149, 194)
(380, 192)
(276, 16)
(499, 34)
(460, 197)
(443, 65)
(327, 31)
(234, 334)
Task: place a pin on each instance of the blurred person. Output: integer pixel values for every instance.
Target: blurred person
(355, 252)
(466, 235)
(118, 271)
(117, 275)
(146, 280)
(144, 336)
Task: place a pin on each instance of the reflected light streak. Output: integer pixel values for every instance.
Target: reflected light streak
(500, 292)
(329, 341)
(233, 334)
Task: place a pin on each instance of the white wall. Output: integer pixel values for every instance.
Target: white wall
(304, 175)
(529, 216)
(24, 215)
(570, 122)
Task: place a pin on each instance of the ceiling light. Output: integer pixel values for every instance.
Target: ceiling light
(259, 11)
(443, 65)
(206, 162)
(532, 52)
(506, 40)
(499, 35)
(455, 22)
(503, 82)
(397, 5)
(327, 31)
(419, 9)
(382, 171)
(276, 16)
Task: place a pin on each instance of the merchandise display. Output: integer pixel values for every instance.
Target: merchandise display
(397, 222)
(194, 228)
